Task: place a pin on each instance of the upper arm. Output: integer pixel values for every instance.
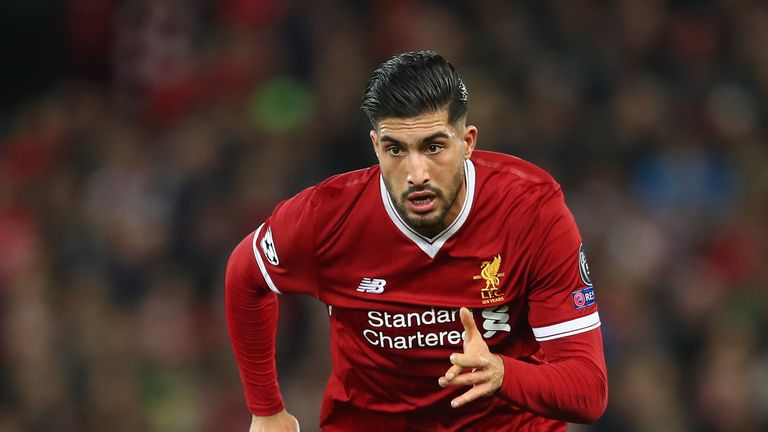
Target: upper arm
(283, 247)
(561, 298)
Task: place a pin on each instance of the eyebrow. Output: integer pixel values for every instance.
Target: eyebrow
(440, 134)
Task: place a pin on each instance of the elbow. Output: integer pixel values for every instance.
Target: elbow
(595, 405)
(591, 414)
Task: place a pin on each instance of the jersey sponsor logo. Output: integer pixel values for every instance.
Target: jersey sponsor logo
(489, 272)
(382, 323)
(496, 319)
(584, 297)
(586, 277)
(268, 247)
(372, 286)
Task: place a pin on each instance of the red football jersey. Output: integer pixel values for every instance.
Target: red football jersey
(513, 256)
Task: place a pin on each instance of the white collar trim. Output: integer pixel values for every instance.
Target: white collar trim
(431, 246)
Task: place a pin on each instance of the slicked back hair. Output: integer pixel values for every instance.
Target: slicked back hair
(414, 83)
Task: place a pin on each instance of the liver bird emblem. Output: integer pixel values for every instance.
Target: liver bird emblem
(490, 272)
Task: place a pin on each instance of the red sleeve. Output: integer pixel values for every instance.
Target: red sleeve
(277, 258)
(570, 383)
(558, 274)
(252, 321)
(284, 247)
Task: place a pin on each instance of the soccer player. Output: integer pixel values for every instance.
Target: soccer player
(457, 288)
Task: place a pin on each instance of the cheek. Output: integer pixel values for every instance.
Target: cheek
(448, 171)
(452, 180)
(393, 170)
(394, 177)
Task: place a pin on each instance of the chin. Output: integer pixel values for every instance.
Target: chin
(425, 221)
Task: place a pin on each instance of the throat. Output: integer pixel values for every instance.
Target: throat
(431, 232)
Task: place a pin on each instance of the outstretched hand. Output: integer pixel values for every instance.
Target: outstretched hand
(484, 370)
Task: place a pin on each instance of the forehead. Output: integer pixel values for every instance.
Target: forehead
(405, 128)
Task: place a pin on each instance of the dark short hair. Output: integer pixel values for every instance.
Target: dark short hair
(414, 83)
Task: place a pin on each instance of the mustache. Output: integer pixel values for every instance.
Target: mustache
(421, 188)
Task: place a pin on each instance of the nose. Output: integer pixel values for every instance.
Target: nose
(418, 173)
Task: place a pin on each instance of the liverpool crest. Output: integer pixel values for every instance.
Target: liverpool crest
(489, 272)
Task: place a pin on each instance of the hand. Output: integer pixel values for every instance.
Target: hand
(280, 422)
(486, 369)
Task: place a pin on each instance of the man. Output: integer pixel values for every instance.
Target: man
(400, 253)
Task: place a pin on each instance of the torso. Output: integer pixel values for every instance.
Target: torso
(393, 297)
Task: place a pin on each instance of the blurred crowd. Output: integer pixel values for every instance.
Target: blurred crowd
(140, 140)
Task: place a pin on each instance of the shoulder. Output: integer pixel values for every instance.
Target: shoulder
(347, 184)
(241, 266)
(325, 207)
(332, 191)
(514, 175)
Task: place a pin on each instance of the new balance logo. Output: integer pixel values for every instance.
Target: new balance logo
(372, 286)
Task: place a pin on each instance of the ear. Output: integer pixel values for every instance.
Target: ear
(470, 139)
(375, 142)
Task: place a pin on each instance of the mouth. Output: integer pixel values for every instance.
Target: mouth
(421, 202)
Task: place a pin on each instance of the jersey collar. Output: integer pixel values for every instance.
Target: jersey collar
(431, 246)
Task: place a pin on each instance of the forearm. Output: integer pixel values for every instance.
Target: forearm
(573, 387)
(252, 320)
(252, 326)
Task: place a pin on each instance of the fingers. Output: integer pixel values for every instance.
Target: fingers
(481, 382)
(453, 372)
(469, 360)
(475, 392)
(461, 362)
(484, 376)
(474, 347)
(467, 379)
(469, 324)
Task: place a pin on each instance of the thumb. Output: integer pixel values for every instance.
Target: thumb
(470, 328)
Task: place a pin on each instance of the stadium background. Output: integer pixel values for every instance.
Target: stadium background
(140, 140)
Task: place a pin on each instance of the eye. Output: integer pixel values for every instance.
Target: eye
(394, 150)
(434, 148)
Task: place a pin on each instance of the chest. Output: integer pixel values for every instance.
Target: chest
(375, 268)
(388, 293)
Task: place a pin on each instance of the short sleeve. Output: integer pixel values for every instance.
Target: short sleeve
(561, 297)
(284, 246)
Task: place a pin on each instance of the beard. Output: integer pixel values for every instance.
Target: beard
(429, 225)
